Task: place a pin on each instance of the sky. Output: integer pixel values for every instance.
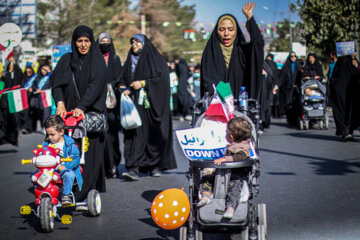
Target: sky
(265, 12)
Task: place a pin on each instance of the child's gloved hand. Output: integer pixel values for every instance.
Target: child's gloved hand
(219, 161)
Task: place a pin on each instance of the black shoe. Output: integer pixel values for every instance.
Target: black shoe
(66, 200)
(156, 172)
(131, 175)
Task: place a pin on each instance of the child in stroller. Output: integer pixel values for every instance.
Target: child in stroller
(237, 134)
(249, 219)
(313, 104)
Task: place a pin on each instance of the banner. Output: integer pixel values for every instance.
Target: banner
(203, 143)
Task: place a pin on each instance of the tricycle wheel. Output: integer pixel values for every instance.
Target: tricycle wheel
(46, 215)
(94, 203)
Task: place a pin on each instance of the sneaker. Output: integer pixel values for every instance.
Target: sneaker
(205, 200)
(347, 137)
(131, 175)
(81, 208)
(229, 213)
(188, 117)
(156, 172)
(66, 200)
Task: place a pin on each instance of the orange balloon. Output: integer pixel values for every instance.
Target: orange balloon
(170, 208)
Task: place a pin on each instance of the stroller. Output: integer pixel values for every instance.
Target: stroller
(249, 220)
(313, 104)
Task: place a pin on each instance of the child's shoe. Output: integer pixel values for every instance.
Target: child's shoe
(66, 200)
(244, 197)
(229, 213)
(205, 200)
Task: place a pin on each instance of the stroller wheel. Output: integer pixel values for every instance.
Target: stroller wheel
(262, 217)
(326, 122)
(307, 125)
(198, 234)
(183, 233)
(261, 232)
(301, 124)
(321, 124)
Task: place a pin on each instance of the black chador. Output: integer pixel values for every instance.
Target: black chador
(245, 64)
(89, 72)
(151, 145)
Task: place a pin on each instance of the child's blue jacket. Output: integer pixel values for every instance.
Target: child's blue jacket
(70, 150)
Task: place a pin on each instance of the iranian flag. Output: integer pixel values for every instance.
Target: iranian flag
(225, 93)
(46, 98)
(221, 108)
(17, 100)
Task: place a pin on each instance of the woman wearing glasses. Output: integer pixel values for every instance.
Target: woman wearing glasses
(290, 77)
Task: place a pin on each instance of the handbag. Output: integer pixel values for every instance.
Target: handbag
(129, 115)
(110, 97)
(93, 121)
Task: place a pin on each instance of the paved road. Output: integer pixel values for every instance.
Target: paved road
(310, 183)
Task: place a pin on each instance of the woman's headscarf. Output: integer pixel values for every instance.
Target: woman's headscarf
(135, 56)
(88, 71)
(245, 60)
(312, 70)
(227, 50)
(112, 72)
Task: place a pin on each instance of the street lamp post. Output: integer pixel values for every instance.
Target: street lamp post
(290, 29)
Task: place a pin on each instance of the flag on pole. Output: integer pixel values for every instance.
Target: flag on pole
(46, 98)
(225, 93)
(17, 100)
(216, 111)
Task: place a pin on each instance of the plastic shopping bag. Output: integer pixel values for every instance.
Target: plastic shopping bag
(129, 115)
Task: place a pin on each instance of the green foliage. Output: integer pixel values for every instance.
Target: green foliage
(282, 42)
(326, 22)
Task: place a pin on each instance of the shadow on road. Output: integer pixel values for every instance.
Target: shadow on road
(325, 166)
(8, 151)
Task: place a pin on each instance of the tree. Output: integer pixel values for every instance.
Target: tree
(57, 19)
(326, 22)
(282, 42)
(166, 21)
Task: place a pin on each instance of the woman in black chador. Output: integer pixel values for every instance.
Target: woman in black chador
(289, 80)
(149, 147)
(113, 74)
(86, 64)
(312, 68)
(228, 58)
(345, 100)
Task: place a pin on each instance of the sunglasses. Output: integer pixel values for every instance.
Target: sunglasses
(293, 56)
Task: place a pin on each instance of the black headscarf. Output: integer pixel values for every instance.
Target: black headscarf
(32, 72)
(141, 149)
(287, 78)
(18, 77)
(312, 70)
(245, 64)
(114, 62)
(89, 71)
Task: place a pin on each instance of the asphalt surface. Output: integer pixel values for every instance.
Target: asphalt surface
(310, 184)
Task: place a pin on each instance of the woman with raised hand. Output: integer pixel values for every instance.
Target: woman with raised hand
(229, 58)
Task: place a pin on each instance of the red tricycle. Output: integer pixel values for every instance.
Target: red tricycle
(49, 184)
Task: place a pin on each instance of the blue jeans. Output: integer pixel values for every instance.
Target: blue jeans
(68, 177)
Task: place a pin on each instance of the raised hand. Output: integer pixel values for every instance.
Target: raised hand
(248, 9)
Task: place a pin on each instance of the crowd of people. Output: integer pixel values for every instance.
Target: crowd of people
(92, 78)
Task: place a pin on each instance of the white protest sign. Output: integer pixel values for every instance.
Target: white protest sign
(203, 143)
(10, 33)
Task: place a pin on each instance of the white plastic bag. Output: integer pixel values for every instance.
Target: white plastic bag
(129, 115)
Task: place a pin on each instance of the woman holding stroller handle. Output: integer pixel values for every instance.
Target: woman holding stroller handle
(228, 58)
(113, 74)
(148, 148)
(312, 68)
(78, 84)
